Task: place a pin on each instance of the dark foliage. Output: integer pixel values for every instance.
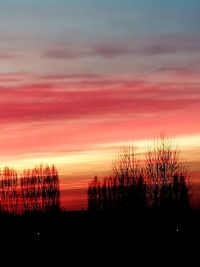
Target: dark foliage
(111, 195)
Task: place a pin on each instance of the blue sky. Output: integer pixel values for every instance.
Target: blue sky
(107, 18)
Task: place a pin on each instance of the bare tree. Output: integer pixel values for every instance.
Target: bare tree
(161, 181)
(126, 166)
(124, 188)
(164, 170)
(128, 172)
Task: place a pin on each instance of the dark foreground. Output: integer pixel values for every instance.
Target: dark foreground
(114, 234)
(98, 225)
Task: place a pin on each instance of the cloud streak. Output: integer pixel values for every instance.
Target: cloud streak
(106, 51)
(44, 102)
(8, 56)
(159, 45)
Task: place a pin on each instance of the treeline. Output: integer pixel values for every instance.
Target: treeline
(36, 190)
(160, 181)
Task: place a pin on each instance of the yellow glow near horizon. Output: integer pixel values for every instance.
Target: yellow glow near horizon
(99, 159)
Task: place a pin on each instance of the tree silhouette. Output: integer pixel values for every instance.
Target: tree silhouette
(124, 188)
(37, 190)
(164, 170)
(93, 194)
(183, 193)
(128, 173)
(160, 181)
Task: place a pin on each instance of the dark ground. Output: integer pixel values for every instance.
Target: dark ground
(98, 225)
(102, 234)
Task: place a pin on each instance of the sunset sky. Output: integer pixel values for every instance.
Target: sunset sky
(80, 77)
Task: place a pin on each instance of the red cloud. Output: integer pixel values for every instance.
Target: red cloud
(42, 102)
(83, 113)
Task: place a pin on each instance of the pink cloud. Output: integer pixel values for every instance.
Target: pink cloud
(62, 116)
(42, 102)
(40, 118)
(14, 77)
(189, 72)
(8, 56)
(74, 76)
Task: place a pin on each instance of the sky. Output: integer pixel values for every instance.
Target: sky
(80, 77)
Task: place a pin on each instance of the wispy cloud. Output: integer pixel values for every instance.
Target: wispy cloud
(159, 45)
(44, 102)
(14, 77)
(73, 76)
(97, 50)
(8, 56)
(110, 50)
